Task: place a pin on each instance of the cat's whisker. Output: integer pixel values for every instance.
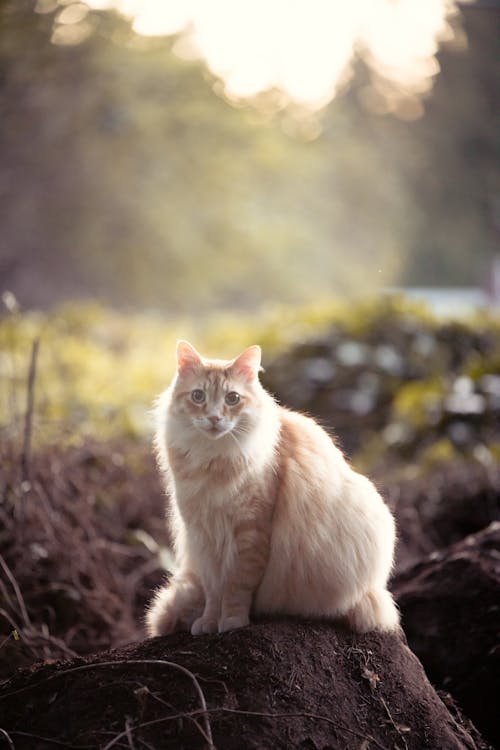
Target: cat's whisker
(231, 433)
(241, 430)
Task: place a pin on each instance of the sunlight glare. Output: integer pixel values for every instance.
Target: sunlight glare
(304, 48)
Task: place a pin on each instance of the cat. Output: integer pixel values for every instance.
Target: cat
(265, 513)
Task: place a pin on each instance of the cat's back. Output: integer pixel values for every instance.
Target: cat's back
(305, 443)
(331, 530)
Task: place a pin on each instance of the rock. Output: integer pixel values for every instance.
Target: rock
(450, 604)
(277, 684)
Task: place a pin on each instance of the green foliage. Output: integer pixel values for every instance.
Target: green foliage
(440, 452)
(398, 387)
(419, 403)
(99, 371)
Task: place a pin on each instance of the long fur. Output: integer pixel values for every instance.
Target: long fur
(265, 513)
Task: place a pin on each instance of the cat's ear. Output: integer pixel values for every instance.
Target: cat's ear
(247, 364)
(187, 357)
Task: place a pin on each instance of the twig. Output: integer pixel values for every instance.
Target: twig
(17, 591)
(52, 740)
(172, 717)
(9, 741)
(7, 598)
(13, 308)
(396, 726)
(121, 662)
(146, 744)
(29, 635)
(128, 732)
(2, 644)
(28, 422)
(261, 714)
(303, 715)
(183, 716)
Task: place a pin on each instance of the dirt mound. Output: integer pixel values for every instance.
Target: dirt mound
(441, 507)
(450, 605)
(276, 684)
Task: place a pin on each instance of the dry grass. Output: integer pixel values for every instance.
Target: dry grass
(77, 556)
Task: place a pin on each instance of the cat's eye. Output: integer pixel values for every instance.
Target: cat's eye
(232, 398)
(198, 396)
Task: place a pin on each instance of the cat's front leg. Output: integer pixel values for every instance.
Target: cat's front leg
(236, 611)
(252, 545)
(176, 605)
(208, 622)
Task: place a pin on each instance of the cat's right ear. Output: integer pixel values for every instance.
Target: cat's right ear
(247, 364)
(188, 358)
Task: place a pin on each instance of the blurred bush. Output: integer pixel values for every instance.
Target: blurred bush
(398, 387)
(99, 370)
(392, 383)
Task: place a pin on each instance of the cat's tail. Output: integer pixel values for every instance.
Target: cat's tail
(376, 610)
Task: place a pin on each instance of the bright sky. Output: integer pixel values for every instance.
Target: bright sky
(303, 47)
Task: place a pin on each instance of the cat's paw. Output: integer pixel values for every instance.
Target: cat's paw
(160, 621)
(376, 610)
(233, 622)
(203, 625)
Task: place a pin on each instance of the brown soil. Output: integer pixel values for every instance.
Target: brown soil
(78, 564)
(441, 508)
(451, 616)
(274, 685)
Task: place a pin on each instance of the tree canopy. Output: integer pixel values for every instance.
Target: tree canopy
(126, 176)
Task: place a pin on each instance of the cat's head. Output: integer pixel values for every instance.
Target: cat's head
(216, 397)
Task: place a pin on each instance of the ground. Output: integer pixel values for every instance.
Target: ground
(81, 550)
(276, 684)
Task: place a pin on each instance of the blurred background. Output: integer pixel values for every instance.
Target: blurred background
(254, 153)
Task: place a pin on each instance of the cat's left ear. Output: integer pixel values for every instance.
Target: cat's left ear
(187, 357)
(247, 364)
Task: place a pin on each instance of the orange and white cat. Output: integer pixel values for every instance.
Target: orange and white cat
(265, 513)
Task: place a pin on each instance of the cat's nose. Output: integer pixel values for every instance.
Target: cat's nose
(214, 419)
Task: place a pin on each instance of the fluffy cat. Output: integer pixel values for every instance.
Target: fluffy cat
(265, 513)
